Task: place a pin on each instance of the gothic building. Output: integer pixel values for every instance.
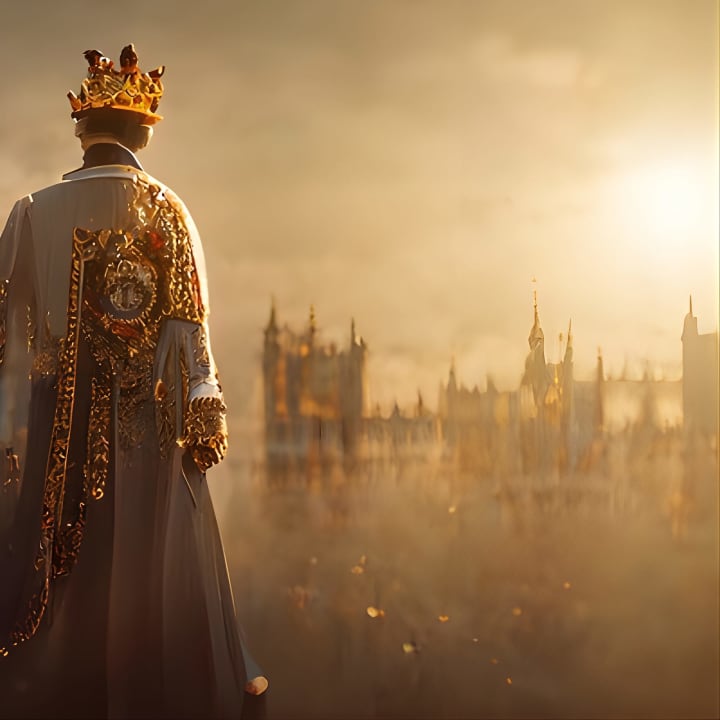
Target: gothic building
(700, 377)
(315, 407)
(551, 422)
(314, 394)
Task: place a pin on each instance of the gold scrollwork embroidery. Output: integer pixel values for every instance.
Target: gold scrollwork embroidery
(199, 346)
(165, 416)
(58, 545)
(4, 285)
(12, 467)
(98, 444)
(135, 409)
(164, 217)
(61, 541)
(205, 434)
(31, 622)
(45, 362)
(31, 328)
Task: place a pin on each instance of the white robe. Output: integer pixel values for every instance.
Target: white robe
(141, 621)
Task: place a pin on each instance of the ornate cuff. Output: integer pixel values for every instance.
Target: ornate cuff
(205, 434)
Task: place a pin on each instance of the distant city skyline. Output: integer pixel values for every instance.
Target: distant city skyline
(633, 368)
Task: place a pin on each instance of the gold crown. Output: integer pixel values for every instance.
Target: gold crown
(125, 89)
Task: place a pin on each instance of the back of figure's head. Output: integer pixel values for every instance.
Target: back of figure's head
(117, 104)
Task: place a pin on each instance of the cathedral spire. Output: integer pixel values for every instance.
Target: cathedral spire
(599, 411)
(272, 327)
(690, 324)
(569, 345)
(536, 334)
(452, 379)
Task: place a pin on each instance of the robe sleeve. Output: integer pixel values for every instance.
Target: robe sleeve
(204, 426)
(203, 418)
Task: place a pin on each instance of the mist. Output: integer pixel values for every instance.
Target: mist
(500, 598)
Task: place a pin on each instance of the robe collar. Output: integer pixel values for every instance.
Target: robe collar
(108, 154)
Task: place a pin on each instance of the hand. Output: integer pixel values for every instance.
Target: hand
(205, 435)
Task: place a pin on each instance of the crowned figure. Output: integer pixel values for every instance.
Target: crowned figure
(115, 599)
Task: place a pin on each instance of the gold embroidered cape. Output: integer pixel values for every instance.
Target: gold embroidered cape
(110, 413)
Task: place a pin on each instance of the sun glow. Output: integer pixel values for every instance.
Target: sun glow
(666, 200)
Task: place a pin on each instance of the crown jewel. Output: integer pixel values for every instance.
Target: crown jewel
(125, 89)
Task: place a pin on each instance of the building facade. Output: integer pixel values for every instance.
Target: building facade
(314, 394)
(700, 377)
(315, 407)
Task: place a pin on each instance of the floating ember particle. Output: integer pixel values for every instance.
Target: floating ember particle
(313, 560)
(443, 618)
(476, 640)
(566, 585)
(516, 611)
(410, 647)
(452, 509)
(508, 680)
(300, 596)
(494, 661)
(374, 612)
(363, 559)
(358, 570)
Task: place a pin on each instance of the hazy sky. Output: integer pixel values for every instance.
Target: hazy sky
(414, 164)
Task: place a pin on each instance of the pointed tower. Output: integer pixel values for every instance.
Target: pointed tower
(690, 325)
(536, 337)
(451, 406)
(569, 347)
(273, 379)
(568, 379)
(567, 396)
(535, 367)
(452, 378)
(691, 390)
(599, 415)
(358, 380)
(271, 329)
(312, 326)
(353, 391)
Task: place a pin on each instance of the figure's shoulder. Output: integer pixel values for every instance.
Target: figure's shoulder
(117, 172)
(17, 212)
(145, 178)
(158, 191)
(121, 173)
(79, 182)
(88, 180)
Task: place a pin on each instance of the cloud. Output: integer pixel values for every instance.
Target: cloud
(412, 164)
(501, 61)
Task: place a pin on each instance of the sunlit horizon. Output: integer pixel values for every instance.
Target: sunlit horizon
(415, 167)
